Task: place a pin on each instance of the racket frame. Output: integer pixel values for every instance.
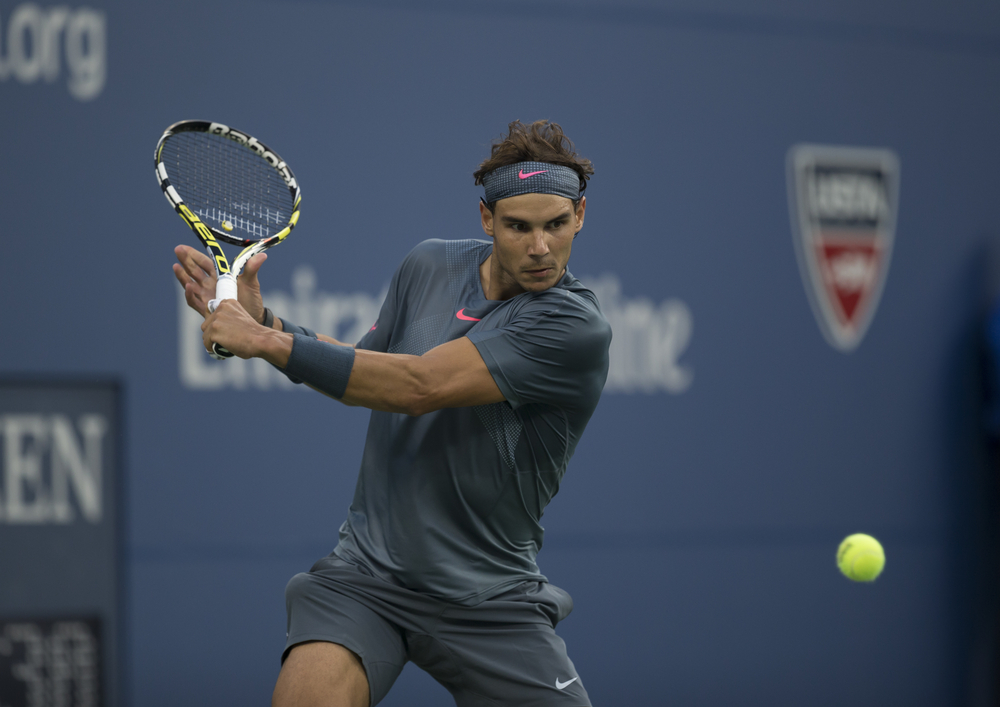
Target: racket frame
(226, 287)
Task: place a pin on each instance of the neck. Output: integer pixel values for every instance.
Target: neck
(495, 282)
(495, 285)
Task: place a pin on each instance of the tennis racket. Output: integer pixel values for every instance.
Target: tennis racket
(230, 187)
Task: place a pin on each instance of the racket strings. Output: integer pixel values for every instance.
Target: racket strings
(227, 185)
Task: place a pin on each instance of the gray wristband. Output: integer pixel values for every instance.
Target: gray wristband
(268, 318)
(295, 328)
(326, 367)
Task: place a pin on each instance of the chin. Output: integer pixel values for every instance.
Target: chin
(536, 286)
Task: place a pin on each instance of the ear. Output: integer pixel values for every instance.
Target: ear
(487, 218)
(581, 210)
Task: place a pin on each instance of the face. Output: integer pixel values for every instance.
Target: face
(532, 238)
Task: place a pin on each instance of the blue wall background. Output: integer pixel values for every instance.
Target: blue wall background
(695, 529)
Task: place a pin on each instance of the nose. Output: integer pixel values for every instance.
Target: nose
(538, 243)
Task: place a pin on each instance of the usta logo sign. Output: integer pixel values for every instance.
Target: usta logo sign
(843, 204)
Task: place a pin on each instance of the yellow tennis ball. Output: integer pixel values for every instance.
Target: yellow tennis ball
(228, 226)
(860, 557)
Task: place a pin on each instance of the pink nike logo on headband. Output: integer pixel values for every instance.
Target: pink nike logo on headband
(522, 175)
(464, 317)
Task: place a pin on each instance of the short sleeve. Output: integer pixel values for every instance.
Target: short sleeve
(377, 338)
(414, 268)
(553, 352)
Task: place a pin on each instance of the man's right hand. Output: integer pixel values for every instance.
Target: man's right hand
(196, 274)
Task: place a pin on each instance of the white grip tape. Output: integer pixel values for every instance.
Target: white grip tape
(225, 288)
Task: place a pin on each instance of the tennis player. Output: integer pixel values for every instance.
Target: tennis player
(482, 371)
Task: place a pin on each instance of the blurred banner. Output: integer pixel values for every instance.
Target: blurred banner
(649, 338)
(61, 603)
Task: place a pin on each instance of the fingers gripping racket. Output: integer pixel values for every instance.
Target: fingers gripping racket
(227, 186)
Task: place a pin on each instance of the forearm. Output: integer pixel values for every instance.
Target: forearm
(388, 382)
(391, 383)
(451, 375)
(448, 376)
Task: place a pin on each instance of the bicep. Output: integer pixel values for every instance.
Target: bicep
(448, 376)
(454, 375)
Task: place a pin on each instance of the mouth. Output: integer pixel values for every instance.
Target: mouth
(539, 273)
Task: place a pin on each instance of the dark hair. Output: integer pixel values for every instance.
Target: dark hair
(542, 141)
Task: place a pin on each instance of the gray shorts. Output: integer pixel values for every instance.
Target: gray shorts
(504, 651)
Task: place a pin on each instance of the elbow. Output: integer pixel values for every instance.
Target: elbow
(416, 408)
(418, 404)
(418, 398)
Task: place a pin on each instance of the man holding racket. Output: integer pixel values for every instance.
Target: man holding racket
(485, 365)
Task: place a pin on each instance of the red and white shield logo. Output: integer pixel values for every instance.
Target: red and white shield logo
(843, 204)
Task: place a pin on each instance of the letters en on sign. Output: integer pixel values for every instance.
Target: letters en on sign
(60, 534)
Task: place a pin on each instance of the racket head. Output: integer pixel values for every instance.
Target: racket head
(226, 184)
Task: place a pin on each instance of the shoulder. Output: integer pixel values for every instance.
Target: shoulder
(436, 253)
(424, 261)
(570, 299)
(426, 253)
(573, 312)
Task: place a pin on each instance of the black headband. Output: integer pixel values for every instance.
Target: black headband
(531, 178)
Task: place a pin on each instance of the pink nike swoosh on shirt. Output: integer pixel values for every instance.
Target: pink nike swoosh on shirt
(465, 318)
(522, 175)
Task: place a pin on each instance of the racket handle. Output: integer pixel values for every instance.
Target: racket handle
(225, 288)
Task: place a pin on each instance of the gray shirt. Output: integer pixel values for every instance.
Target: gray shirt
(450, 503)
